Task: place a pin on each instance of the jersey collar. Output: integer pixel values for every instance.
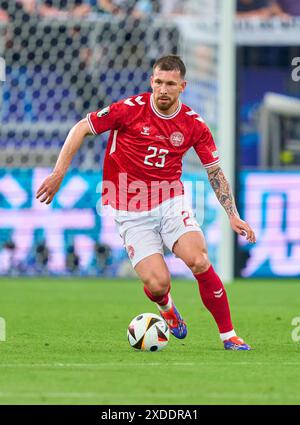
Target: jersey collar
(165, 117)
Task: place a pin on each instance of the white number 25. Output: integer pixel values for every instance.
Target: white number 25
(156, 153)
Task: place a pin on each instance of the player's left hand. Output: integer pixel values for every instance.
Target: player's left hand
(242, 228)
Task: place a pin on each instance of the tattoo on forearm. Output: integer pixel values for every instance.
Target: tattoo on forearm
(222, 190)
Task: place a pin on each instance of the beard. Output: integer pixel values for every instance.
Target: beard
(165, 105)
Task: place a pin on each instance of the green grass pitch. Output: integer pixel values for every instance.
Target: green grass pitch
(66, 344)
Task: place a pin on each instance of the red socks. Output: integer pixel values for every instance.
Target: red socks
(213, 295)
(161, 300)
(214, 298)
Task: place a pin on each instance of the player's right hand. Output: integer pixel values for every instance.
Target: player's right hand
(49, 188)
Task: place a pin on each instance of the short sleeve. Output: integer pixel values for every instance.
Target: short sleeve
(109, 118)
(205, 147)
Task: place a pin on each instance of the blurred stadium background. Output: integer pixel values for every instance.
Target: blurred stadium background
(65, 58)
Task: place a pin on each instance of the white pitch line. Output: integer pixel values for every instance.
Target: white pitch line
(88, 365)
(105, 395)
(120, 365)
(49, 395)
(257, 395)
(119, 398)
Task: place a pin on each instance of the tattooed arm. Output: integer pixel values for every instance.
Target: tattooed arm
(222, 190)
(224, 194)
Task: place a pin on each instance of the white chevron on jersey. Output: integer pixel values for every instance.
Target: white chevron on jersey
(138, 100)
(129, 102)
(191, 113)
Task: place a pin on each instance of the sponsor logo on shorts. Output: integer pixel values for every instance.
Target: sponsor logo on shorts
(103, 112)
(177, 138)
(130, 251)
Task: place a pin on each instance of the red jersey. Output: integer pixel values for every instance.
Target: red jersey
(143, 160)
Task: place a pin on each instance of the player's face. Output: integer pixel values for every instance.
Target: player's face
(166, 87)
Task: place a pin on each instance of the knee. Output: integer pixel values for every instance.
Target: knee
(158, 285)
(199, 263)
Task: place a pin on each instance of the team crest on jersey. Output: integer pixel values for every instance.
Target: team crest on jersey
(103, 112)
(177, 138)
(130, 251)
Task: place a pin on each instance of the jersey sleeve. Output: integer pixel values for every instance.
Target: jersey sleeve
(205, 147)
(110, 118)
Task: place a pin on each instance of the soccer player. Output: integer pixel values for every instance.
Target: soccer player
(150, 133)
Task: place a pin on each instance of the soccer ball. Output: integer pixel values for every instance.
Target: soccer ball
(148, 332)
